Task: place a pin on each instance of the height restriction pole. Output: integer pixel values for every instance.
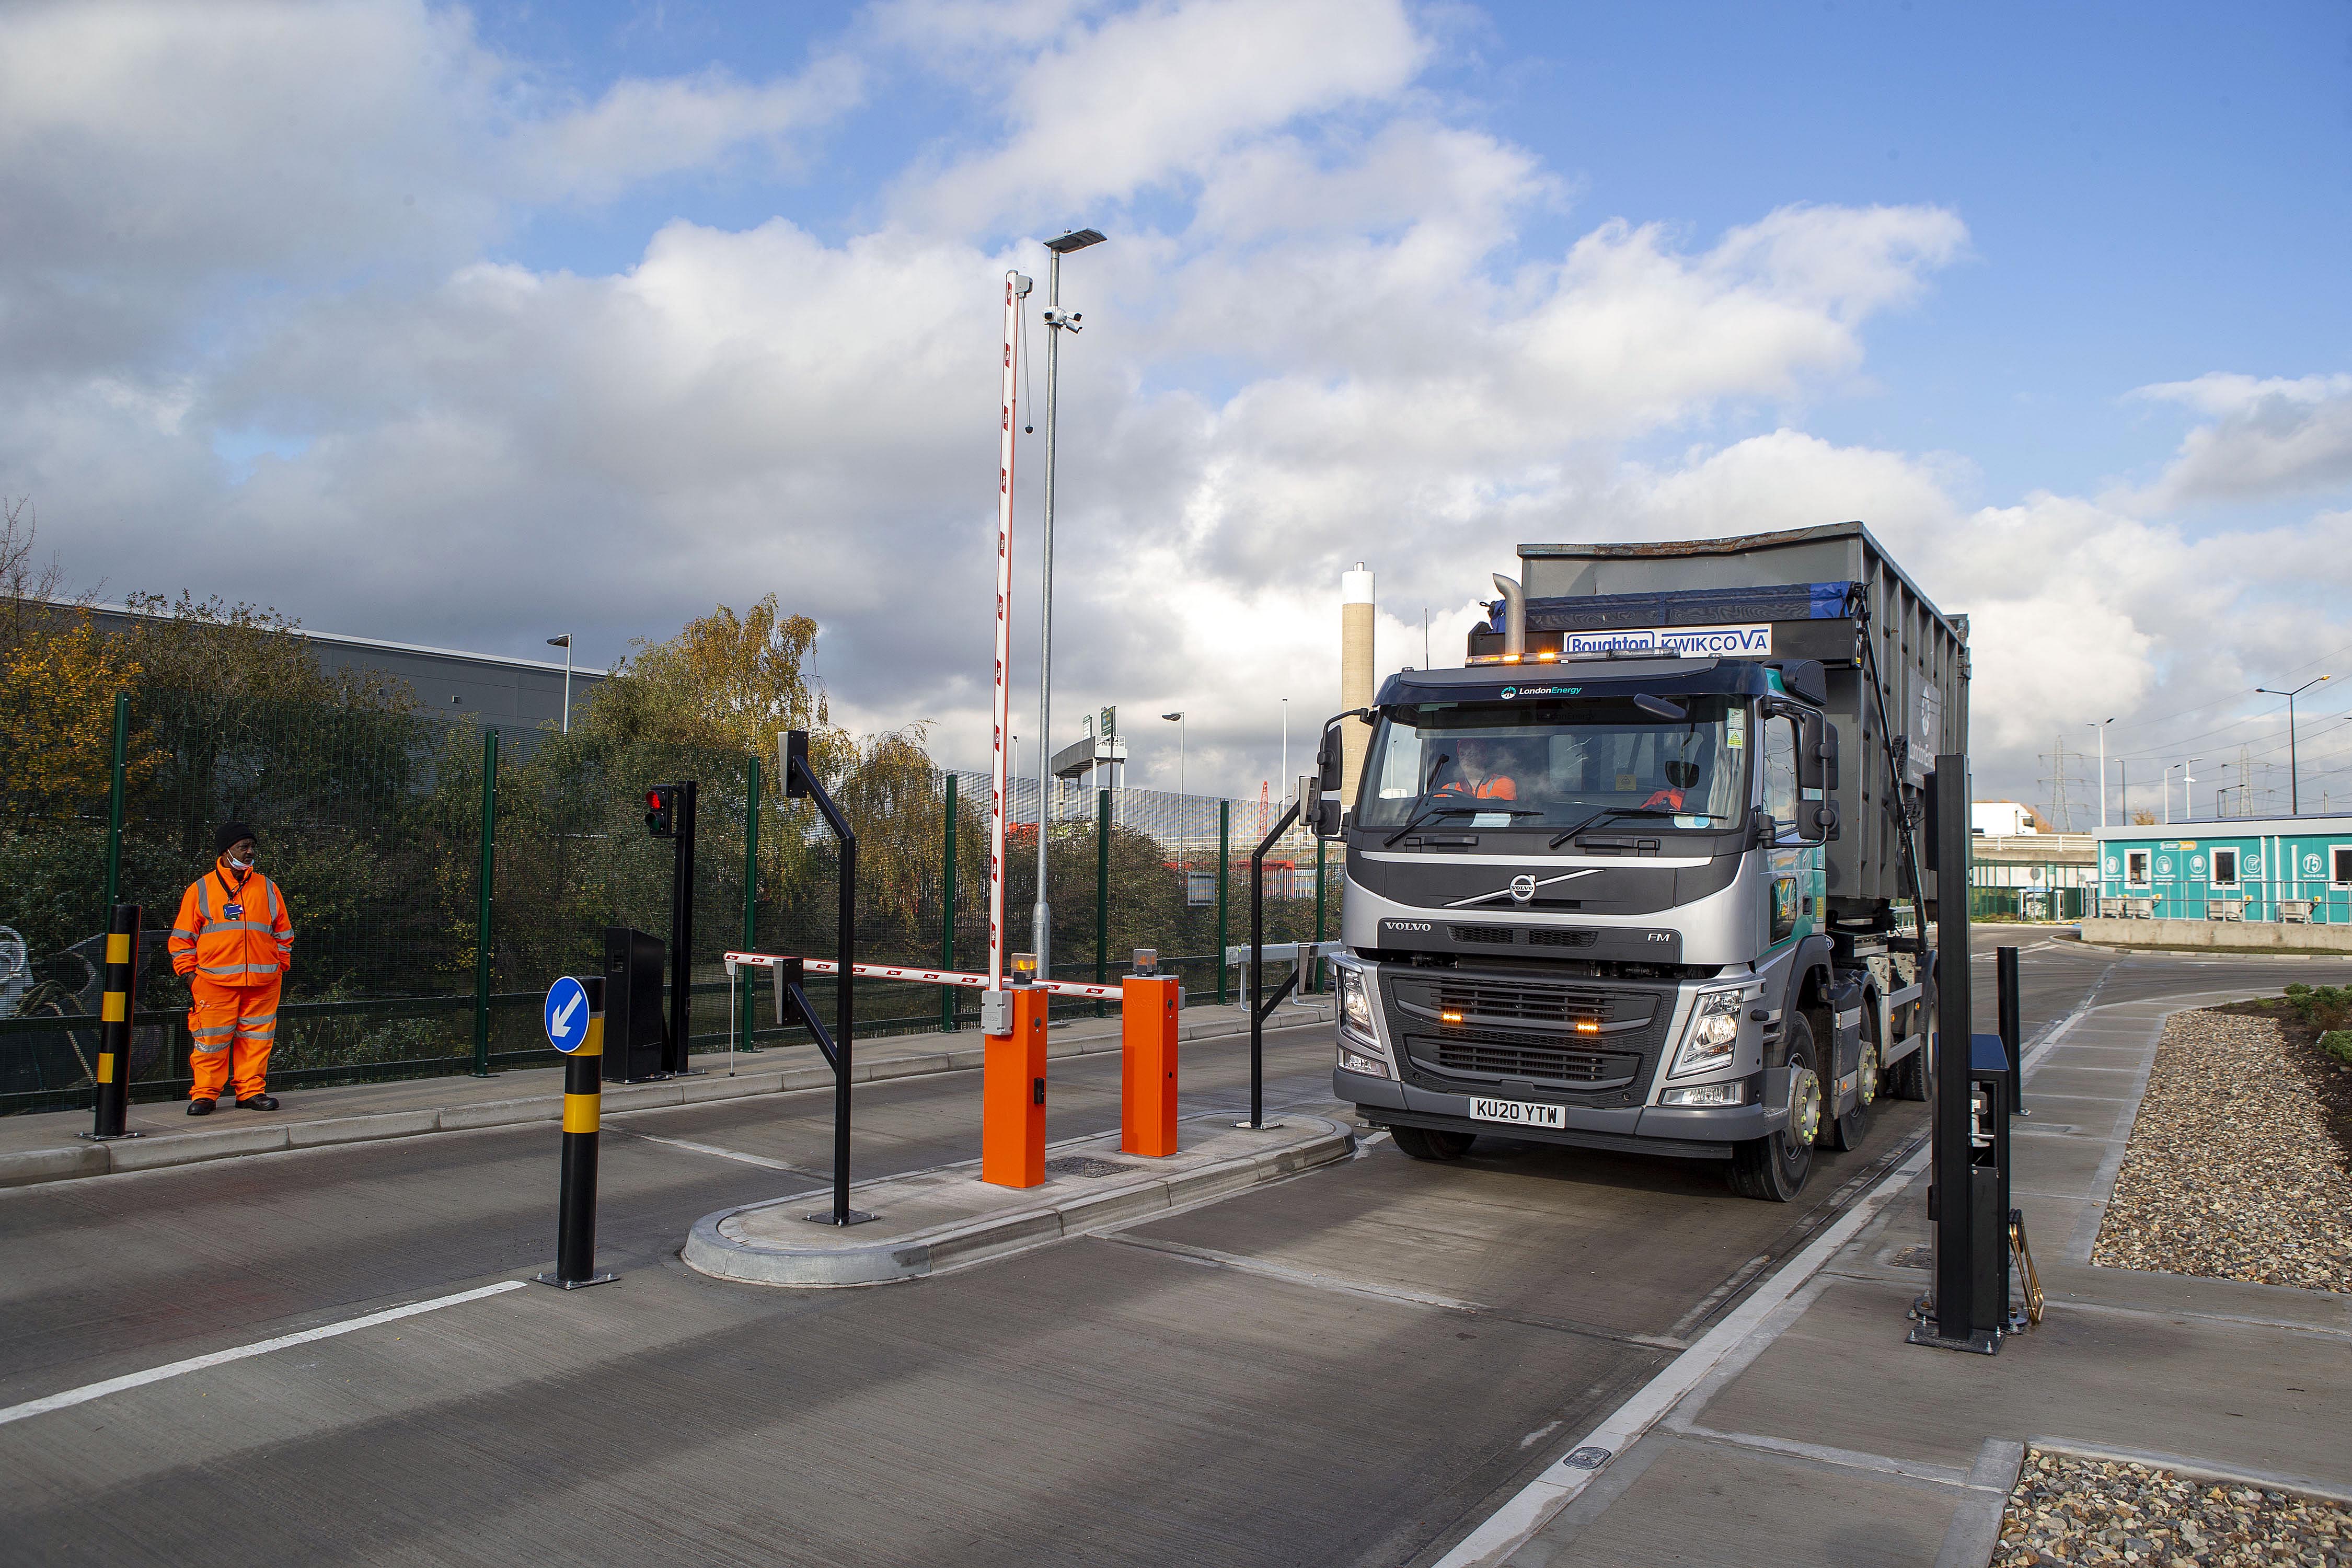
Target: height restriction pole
(1016, 289)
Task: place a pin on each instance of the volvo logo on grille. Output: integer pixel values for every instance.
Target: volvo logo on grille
(1523, 889)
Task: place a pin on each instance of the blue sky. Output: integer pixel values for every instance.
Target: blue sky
(2148, 188)
(427, 303)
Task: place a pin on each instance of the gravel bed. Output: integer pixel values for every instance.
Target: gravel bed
(2231, 1171)
(2076, 1510)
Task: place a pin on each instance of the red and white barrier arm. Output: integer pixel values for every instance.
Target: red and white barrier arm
(921, 976)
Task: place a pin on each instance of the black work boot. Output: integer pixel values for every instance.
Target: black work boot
(200, 1108)
(259, 1102)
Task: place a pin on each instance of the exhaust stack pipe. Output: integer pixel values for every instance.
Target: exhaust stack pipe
(1515, 617)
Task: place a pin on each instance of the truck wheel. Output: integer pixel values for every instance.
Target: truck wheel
(1907, 1080)
(1773, 1168)
(1432, 1143)
(1847, 1131)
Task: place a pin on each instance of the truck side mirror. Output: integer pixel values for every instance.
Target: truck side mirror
(1828, 742)
(1318, 813)
(1329, 759)
(1812, 751)
(1825, 817)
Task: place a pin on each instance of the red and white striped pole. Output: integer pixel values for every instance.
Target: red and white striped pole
(1015, 288)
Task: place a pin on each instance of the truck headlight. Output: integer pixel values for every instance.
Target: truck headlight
(1705, 1094)
(1712, 1033)
(1356, 1004)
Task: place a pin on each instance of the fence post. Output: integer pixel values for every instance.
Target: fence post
(1102, 898)
(750, 901)
(482, 904)
(1225, 875)
(1321, 844)
(116, 786)
(948, 914)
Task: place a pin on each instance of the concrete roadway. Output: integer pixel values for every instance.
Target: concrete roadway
(1351, 1366)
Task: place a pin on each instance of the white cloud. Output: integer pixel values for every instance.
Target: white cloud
(2268, 438)
(640, 129)
(1329, 343)
(1112, 106)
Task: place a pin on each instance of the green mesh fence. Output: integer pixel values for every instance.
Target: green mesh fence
(373, 823)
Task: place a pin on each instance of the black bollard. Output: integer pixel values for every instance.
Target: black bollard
(2004, 969)
(111, 1098)
(583, 1099)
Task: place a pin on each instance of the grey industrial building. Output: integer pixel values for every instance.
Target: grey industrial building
(487, 689)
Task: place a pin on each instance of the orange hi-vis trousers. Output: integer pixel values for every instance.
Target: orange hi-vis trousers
(225, 1019)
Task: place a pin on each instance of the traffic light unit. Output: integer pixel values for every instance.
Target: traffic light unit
(661, 810)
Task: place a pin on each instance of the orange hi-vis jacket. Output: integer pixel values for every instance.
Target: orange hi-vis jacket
(233, 930)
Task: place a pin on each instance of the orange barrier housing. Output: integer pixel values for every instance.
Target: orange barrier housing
(1146, 1086)
(1013, 1096)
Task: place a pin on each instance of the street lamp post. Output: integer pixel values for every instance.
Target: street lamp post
(1057, 320)
(564, 642)
(2101, 728)
(2294, 777)
(1178, 719)
(1285, 755)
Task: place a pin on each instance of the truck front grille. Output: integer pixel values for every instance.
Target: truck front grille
(1583, 1044)
(1507, 1058)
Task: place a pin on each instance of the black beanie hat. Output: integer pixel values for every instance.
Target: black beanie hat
(231, 833)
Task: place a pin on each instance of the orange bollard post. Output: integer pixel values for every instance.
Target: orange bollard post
(1146, 1086)
(1013, 1092)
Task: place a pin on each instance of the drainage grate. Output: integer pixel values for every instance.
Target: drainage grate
(1082, 1165)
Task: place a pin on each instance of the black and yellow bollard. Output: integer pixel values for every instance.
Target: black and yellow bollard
(584, 1098)
(111, 1098)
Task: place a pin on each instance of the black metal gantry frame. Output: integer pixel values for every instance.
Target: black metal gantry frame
(1958, 1190)
(801, 780)
(1260, 1005)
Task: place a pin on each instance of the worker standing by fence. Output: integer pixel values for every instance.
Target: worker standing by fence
(234, 943)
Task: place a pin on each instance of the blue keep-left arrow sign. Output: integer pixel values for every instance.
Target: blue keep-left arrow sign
(566, 1015)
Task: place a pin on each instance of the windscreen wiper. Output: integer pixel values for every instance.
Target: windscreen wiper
(1624, 811)
(1480, 810)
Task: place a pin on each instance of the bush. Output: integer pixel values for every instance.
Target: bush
(2337, 1043)
(2323, 1007)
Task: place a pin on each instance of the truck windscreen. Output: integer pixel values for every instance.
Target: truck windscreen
(1556, 765)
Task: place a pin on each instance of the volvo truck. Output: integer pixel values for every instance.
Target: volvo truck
(1643, 874)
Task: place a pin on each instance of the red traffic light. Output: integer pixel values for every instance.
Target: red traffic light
(661, 813)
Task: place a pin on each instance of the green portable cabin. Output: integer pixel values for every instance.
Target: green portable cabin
(2260, 869)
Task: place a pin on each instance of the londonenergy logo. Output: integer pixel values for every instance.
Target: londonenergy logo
(1511, 691)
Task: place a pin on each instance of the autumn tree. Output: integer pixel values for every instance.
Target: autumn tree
(58, 678)
(725, 686)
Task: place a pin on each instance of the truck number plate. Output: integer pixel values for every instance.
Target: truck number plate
(1518, 1112)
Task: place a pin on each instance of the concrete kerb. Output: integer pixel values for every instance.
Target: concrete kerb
(28, 1167)
(1226, 1163)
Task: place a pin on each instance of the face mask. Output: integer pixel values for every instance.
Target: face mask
(244, 865)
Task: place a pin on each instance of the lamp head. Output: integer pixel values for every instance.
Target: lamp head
(1074, 239)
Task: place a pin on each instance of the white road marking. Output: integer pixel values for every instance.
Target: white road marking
(89, 1392)
(713, 1149)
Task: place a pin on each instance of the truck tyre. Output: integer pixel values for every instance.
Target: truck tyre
(1846, 1132)
(1773, 1168)
(1907, 1080)
(1432, 1143)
